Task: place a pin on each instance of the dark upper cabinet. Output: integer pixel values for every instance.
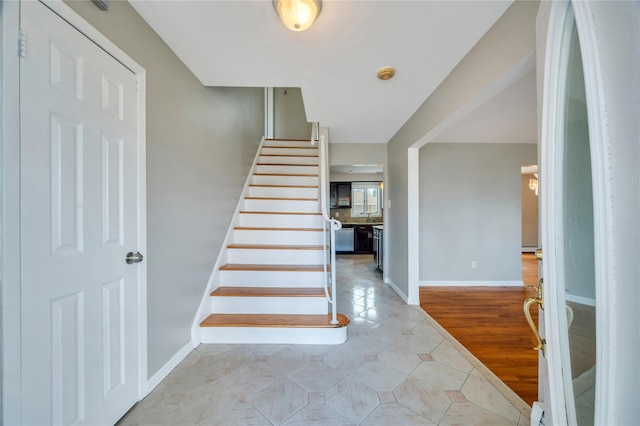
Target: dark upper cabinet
(340, 195)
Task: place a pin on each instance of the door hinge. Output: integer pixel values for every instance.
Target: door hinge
(22, 44)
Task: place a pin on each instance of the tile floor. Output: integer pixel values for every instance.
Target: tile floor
(396, 368)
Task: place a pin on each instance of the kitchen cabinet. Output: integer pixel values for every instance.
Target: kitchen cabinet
(363, 235)
(340, 195)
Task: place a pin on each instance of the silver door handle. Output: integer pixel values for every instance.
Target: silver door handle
(133, 257)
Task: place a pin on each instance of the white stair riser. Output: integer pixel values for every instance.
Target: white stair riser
(269, 305)
(277, 237)
(267, 257)
(288, 143)
(272, 279)
(283, 192)
(279, 335)
(285, 180)
(289, 151)
(281, 159)
(282, 206)
(280, 220)
(288, 169)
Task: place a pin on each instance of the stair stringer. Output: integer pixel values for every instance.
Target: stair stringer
(214, 277)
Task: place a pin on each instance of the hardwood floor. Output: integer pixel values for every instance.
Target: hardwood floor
(529, 269)
(490, 323)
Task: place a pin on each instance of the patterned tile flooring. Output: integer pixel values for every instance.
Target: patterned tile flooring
(398, 367)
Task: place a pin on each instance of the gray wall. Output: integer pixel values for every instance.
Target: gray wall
(470, 210)
(507, 43)
(290, 120)
(342, 154)
(356, 177)
(200, 144)
(529, 213)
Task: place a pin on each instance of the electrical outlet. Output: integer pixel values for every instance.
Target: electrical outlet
(337, 214)
(473, 264)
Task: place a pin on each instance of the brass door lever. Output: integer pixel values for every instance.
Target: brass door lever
(527, 314)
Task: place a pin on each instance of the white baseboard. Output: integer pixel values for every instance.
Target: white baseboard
(169, 366)
(195, 336)
(397, 290)
(471, 283)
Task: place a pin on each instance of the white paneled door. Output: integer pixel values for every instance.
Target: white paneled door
(79, 218)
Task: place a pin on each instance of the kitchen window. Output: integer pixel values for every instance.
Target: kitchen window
(365, 200)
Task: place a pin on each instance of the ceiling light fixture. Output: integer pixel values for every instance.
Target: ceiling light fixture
(385, 73)
(297, 15)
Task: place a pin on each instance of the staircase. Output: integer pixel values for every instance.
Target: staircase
(270, 278)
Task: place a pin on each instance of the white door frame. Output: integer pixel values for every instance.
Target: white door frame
(602, 208)
(10, 192)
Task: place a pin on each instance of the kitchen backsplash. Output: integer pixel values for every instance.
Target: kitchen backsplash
(345, 216)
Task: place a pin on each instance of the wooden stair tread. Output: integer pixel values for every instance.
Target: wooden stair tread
(286, 164)
(294, 213)
(269, 291)
(290, 155)
(271, 267)
(267, 185)
(289, 140)
(287, 174)
(281, 198)
(250, 228)
(274, 247)
(274, 320)
(291, 147)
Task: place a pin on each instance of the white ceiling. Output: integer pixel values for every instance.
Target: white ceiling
(243, 43)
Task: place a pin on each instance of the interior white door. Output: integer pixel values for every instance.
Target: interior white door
(79, 218)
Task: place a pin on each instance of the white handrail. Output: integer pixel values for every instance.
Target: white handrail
(333, 224)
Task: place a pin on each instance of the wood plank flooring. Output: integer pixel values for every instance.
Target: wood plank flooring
(490, 323)
(529, 269)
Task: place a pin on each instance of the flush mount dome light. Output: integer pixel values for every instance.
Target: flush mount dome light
(297, 15)
(385, 73)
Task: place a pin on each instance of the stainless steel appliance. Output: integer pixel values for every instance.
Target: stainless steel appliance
(344, 239)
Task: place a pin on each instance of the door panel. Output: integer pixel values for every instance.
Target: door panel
(576, 291)
(567, 371)
(609, 45)
(79, 146)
